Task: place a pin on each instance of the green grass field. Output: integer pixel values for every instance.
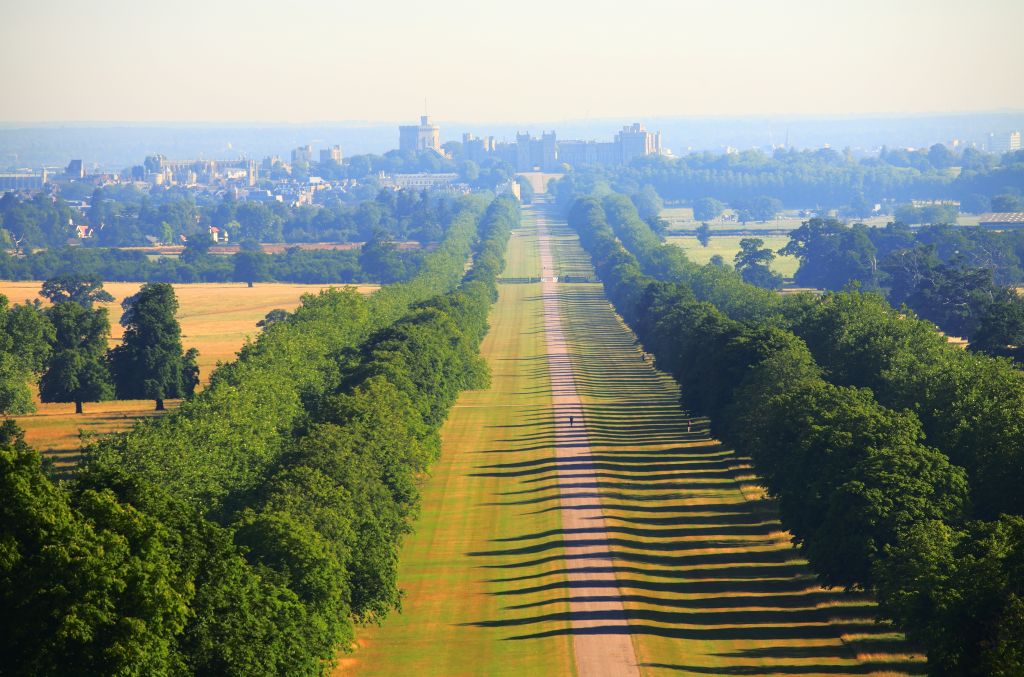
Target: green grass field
(726, 246)
(461, 591)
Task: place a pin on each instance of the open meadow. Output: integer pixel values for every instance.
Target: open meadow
(216, 318)
(682, 218)
(727, 246)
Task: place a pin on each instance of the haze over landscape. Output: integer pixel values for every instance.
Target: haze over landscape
(461, 338)
(314, 61)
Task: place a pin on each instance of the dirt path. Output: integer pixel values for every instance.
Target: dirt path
(602, 644)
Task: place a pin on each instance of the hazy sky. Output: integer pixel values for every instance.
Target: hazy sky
(526, 60)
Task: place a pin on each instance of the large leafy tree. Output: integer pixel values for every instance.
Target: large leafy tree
(25, 337)
(81, 289)
(77, 369)
(251, 265)
(832, 254)
(707, 208)
(150, 363)
(753, 262)
(87, 583)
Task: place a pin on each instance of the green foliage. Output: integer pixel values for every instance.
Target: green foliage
(251, 266)
(704, 234)
(959, 592)
(77, 369)
(876, 484)
(707, 209)
(150, 363)
(87, 583)
(753, 263)
(75, 288)
(249, 530)
(832, 254)
(25, 338)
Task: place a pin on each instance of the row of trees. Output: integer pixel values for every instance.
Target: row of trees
(894, 458)
(248, 531)
(813, 179)
(65, 348)
(124, 215)
(379, 260)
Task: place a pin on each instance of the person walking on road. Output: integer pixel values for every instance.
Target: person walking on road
(570, 421)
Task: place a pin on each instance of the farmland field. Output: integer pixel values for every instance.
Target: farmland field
(215, 318)
(705, 579)
(726, 246)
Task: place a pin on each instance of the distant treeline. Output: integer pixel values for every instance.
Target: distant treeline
(123, 216)
(819, 179)
(963, 279)
(896, 459)
(248, 531)
(378, 261)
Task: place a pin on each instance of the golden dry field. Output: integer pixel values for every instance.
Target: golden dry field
(216, 318)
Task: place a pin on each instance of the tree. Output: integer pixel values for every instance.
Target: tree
(704, 234)
(251, 267)
(380, 258)
(832, 254)
(526, 191)
(150, 363)
(90, 584)
(197, 248)
(77, 369)
(25, 336)
(81, 289)
(761, 208)
(707, 208)
(648, 203)
(754, 263)
(1000, 330)
(1007, 203)
(275, 315)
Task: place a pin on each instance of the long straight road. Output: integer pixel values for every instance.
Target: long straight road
(591, 607)
(628, 542)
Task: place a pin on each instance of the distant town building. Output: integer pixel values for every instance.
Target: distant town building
(548, 153)
(578, 153)
(1002, 220)
(75, 170)
(539, 153)
(477, 149)
(302, 155)
(424, 136)
(635, 141)
(22, 181)
(420, 181)
(160, 171)
(330, 155)
(1004, 143)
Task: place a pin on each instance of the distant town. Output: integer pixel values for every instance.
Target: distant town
(310, 173)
